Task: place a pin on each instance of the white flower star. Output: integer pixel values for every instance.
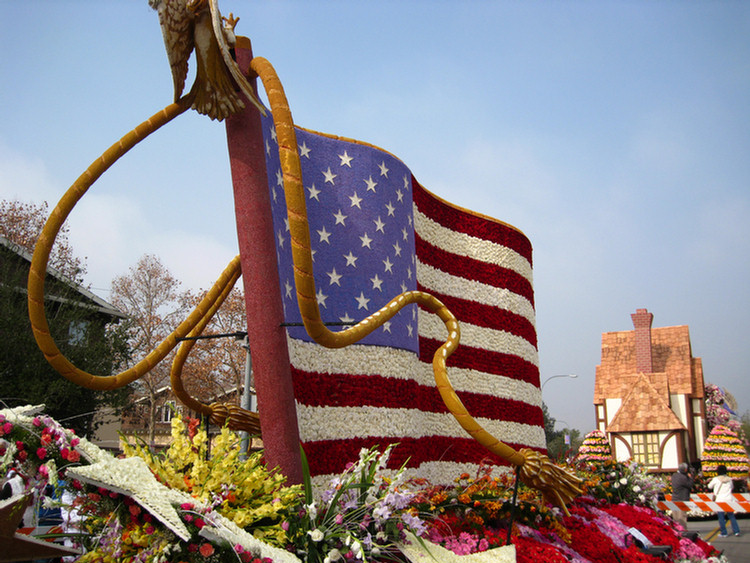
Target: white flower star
(391, 210)
(345, 159)
(329, 176)
(334, 277)
(405, 233)
(397, 249)
(288, 288)
(346, 318)
(324, 235)
(313, 192)
(383, 169)
(340, 218)
(351, 260)
(399, 195)
(321, 297)
(279, 178)
(377, 283)
(362, 301)
(132, 477)
(281, 239)
(366, 240)
(356, 200)
(387, 326)
(388, 265)
(304, 150)
(371, 184)
(379, 225)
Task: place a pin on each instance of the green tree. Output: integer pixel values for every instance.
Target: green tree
(80, 333)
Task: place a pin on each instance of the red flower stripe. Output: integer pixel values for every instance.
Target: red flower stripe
(332, 456)
(468, 357)
(456, 219)
(486, 316)
(349, 390)
(482, 272)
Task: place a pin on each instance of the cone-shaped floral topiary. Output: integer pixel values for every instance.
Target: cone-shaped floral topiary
(723, 447)
(595, 448)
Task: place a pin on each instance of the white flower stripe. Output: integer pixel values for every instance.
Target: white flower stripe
(347, 423)
(471, 247)
(493, 340)
(401, 364)
(435, 280)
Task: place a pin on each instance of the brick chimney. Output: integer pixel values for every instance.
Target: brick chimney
(642, 322)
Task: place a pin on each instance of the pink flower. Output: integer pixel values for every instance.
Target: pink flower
(6, 428)
(75, 441)
(36, 422)
(41, 453)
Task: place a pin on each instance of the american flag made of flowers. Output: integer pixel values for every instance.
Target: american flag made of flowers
(376, 233)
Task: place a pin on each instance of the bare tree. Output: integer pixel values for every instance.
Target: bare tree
(216, 366)
(22, 223)
(150, 296)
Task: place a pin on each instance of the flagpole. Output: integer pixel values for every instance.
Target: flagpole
(266, 335)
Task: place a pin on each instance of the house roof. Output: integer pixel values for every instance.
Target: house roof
(646, 407)
(89, 299)
(671, 356)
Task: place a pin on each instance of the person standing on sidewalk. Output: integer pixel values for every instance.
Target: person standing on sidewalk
(721, 485)
(682, 484)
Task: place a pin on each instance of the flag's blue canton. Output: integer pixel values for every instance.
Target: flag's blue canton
(360, 210)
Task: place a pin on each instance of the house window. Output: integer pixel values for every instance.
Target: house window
(646, 448)
(167, 411)
(77, 332)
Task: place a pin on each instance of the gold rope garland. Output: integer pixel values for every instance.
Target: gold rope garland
(200, 316)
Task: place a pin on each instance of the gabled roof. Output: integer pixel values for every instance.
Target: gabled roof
(645, 408)
(89, 299)
(671, 355)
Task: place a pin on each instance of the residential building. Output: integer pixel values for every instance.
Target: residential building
(648, 395)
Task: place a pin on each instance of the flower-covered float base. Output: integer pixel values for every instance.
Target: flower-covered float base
(190, 504)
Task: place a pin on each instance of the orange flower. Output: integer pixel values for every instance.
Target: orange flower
(206, 550)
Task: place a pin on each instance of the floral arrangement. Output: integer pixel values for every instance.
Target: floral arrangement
(363, 515)
(718, 411)
(595, 447)
(621, 482)
(148, 508)
(723, 447)
(240, 489)
(117, 529)
(38, 449)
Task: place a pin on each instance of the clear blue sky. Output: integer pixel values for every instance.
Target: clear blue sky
(616, 135)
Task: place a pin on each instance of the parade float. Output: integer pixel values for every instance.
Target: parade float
(371, 451)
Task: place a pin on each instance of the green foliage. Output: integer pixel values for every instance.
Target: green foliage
(26, 375)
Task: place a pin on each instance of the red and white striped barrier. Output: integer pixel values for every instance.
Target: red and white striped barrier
(702, 502)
